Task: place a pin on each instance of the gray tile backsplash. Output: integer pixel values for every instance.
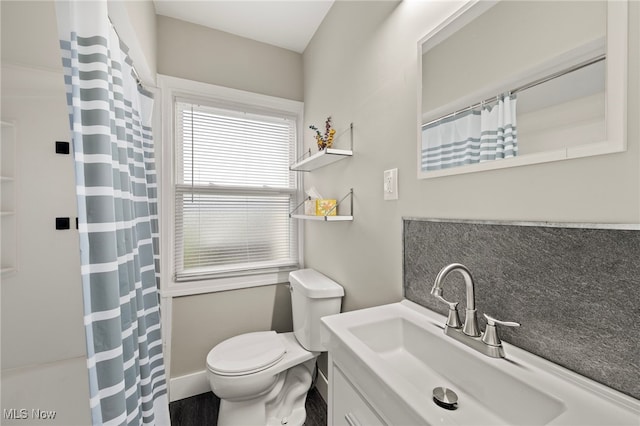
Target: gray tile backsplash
(575, 291)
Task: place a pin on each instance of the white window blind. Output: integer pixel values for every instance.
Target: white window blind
(234, 192)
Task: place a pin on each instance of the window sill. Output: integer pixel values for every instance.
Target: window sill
(214, 285)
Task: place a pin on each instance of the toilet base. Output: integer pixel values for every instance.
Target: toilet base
(282, 405)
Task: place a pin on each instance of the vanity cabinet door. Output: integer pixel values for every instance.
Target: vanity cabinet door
(349, 407)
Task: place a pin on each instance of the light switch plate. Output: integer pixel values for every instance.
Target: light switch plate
(390, 187)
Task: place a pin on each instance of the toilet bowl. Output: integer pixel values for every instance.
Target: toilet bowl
(262, 378)
(265, 395)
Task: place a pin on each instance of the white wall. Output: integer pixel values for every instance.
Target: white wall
(41, 303)
(198, 53)
(43, 346)
(371, 79)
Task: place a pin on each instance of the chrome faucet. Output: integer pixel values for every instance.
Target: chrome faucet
(488, 342)
(471, 321)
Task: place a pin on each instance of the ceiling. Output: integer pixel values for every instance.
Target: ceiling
(289, 24)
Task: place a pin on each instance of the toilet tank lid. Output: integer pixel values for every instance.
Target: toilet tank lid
(314, 285)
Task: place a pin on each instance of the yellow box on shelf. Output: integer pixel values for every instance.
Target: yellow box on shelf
(320, 207)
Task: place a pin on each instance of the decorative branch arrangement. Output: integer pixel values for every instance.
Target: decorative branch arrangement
(326, 140)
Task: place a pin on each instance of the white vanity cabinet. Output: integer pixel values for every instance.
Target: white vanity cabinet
(358, 398)
(348, 406)
(359, 395)
(385, 362)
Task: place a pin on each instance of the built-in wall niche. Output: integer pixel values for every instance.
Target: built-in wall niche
(566, 64)
(8, 256)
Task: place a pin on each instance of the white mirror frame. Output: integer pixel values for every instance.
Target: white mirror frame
(616, 91)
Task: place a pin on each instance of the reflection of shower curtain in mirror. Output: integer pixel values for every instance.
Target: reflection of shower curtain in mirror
(452, 141)
(499, 137)
(472, 136)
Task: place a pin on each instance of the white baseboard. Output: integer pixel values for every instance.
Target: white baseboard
(188, 385)
(322, 384)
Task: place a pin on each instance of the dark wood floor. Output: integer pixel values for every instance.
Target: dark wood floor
(202, 410)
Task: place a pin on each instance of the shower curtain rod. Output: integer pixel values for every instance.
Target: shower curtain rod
(524, 87)
(133, 68)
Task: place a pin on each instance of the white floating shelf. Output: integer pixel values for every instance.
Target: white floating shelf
(6, 179)
(323, 218)
(321, 159)
(7, 270)
(7, 213)
(336, 218)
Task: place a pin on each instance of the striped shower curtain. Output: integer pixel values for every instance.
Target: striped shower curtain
(499, 137)
(474, 136)
(451, 142)
(118, 224)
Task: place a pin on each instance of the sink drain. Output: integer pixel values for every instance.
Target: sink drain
(445, 398)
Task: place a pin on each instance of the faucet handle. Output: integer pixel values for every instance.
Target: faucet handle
(453, 319)
(490, 336)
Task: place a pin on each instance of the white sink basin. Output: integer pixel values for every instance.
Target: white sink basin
(403, 347)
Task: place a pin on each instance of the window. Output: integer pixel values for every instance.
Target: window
(233, 190)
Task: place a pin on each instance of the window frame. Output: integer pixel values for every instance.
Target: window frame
(175, 89)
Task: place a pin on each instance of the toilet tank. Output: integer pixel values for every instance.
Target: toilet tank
(313, 296)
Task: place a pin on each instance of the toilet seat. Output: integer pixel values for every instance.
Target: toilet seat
(246, 354)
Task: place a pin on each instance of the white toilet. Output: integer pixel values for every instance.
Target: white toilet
(262, 378)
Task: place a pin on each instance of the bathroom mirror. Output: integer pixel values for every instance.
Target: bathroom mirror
(549, 78)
